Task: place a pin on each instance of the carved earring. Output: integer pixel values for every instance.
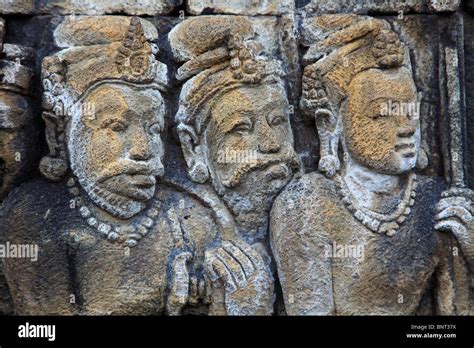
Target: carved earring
(198, 172)
(422, 160)
(329, 165)
(328, 130)
(53, 169)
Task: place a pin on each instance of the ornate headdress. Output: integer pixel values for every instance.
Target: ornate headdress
(97, 50)
(219, 55)
(344, 46)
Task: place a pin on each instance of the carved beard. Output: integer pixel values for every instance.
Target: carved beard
(112, 203)
(249, 198)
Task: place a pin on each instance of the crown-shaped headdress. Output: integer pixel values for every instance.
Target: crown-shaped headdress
(97, 50)
(121, 53)
(218, 54)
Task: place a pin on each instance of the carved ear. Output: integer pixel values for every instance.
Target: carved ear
(422, 160)
(54, 165)
(194, 154)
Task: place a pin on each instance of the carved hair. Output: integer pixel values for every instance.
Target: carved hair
(125, 55)
(346, 45)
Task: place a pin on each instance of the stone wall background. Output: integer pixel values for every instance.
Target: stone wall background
(421, 24)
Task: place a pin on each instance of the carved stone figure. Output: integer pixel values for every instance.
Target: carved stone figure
(359, 238)
(18, 129)
(233, 125)
(111, 238)
(19, 133)
(255, 158)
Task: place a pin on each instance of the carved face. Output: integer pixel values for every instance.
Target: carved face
(249, 135)
(115, 146)
(17, 139)
(381, 124)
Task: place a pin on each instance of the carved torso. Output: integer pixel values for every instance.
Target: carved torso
(107, 278)
(309, 220)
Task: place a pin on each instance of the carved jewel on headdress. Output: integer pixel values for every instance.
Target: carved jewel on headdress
(243, 63)
(314, 94)
(133, 56)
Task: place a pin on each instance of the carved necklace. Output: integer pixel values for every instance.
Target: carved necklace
(388, 224)
(129, 234)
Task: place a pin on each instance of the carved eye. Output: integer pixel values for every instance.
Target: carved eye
(242, 127)
(276, 120)
(117, 126)
(155, 129)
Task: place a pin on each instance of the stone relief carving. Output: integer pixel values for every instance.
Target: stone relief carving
(371, 202)
(19, 136)
(250, 159)
(19, 133)
(104, 114)
(233, 125)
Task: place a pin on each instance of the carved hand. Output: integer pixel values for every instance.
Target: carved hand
(238, 280)
(179, 287)
(455, 210)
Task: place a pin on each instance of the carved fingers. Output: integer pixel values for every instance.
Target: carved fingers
(179, 289)
(237, 270)
(230, 264)
(245, 259)
(458, 212)
(454, 214)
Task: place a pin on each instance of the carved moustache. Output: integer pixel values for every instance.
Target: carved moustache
(139, 171)
(288, 159)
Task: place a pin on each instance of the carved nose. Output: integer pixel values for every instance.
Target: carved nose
(269, 143)
(140, 150)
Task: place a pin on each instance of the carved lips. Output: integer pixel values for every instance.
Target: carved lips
(406, 149)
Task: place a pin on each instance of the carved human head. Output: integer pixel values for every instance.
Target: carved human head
(359, 87)
(107, 119)
(233, 117)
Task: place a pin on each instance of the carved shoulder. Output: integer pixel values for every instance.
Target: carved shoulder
(302, 206)
(31, 218)
(306, 194)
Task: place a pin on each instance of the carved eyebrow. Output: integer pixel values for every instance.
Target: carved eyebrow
(227, 123)
(381, 101)
(108, 120)
(275, 103)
